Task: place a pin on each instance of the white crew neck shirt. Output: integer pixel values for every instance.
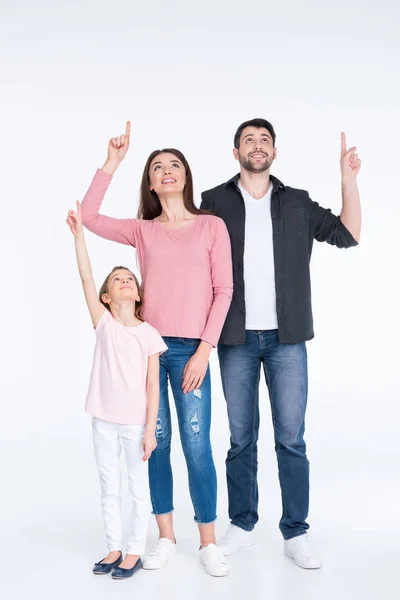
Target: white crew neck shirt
(258, 263)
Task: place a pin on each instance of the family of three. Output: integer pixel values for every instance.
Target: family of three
(234, 275)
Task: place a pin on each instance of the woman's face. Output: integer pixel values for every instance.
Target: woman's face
(167, 174)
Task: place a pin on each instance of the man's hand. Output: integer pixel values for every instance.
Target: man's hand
(350, 164)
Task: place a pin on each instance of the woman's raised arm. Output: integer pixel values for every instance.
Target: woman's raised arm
(116, 230)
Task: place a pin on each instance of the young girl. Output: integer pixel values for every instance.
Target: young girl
(123, 400)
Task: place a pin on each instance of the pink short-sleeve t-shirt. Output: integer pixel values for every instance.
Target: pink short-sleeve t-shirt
(117, 389)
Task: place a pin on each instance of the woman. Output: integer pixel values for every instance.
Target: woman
(185, 261)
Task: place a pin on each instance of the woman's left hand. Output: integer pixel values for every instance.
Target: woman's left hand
(196, 368)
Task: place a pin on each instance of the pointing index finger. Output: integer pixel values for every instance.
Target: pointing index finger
(128, 128)
(343, 143)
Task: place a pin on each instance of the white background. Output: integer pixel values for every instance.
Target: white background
(187, 74)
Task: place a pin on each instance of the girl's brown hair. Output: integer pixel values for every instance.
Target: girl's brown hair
(150, 206)
(104, 290)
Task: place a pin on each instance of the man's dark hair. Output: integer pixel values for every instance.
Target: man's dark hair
(258, 123)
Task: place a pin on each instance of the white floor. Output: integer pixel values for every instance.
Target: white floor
(51, 525)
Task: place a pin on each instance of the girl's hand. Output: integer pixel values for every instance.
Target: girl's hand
(74, 220)
(149, 444)
(196, 368)
(117, 149)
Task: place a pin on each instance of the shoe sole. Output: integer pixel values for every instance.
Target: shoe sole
(238, 550)
(301, 566)
(160, 567)
(154, 568)
(135, 574)
(224, 574)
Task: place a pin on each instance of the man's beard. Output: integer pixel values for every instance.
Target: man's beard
(246, 163)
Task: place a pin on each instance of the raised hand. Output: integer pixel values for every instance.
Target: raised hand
(350, 164)
(118, 146)
(74, 220)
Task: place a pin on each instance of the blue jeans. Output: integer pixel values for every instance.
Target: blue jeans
(194, 418)
(285, 369)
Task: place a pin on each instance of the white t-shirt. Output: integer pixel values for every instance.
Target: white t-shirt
(259, 271)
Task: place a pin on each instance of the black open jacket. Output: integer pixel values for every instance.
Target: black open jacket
(296, 222)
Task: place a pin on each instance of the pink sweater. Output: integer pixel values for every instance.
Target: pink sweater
(186, 273)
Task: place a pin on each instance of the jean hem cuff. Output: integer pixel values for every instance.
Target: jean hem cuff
(204, 522)
(159, 514)
(293, 535)
(241, 526)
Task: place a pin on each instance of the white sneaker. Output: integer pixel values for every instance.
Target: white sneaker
(160, 555)
(214, 561)
(300, 549)
(235, 539)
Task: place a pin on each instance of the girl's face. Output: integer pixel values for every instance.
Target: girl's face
(121, 287)
(167, 174)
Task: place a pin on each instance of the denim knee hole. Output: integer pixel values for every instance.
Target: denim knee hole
(195, 423)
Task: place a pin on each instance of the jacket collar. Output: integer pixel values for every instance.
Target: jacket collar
(276, 183)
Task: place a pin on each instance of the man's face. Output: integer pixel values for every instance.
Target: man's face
(256, 151)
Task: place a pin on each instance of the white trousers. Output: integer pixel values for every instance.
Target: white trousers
(108, 439)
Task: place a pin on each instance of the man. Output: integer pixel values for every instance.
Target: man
(272, 228)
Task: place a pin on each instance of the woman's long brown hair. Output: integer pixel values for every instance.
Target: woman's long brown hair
(150, 206)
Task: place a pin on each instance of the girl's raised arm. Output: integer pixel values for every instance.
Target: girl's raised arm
(96, 309)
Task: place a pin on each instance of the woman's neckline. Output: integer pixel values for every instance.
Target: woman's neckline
(163, 225)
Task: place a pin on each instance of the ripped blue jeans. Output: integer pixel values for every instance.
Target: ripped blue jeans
(194, 417)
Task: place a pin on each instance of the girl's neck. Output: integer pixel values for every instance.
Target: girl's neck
(174, 210)
(125, 314)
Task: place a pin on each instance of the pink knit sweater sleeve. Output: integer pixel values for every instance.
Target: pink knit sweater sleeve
(117, 230)
(222, 281)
